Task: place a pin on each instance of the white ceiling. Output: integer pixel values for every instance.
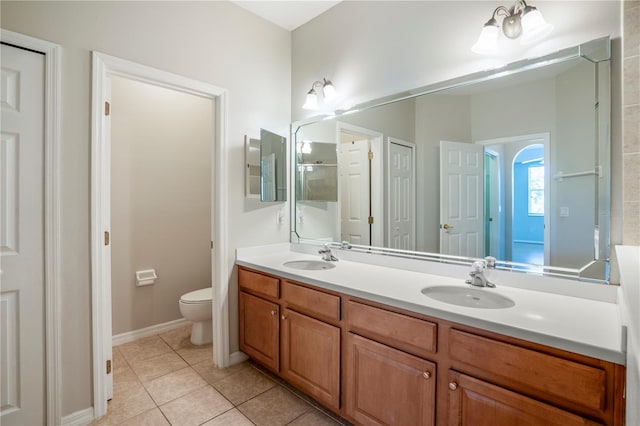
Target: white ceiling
(289, 14)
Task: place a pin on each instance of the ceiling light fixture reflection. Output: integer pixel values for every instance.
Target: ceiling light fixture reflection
(519, 20)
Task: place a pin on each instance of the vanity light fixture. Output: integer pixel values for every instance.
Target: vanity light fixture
(328, 92)
(520, 20)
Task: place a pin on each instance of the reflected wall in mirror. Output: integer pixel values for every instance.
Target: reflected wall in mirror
(512, 163)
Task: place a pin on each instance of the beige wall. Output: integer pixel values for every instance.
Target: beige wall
(631, 111)
(215, 42)
(160, 200)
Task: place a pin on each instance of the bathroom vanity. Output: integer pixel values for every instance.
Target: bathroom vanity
(364, 341)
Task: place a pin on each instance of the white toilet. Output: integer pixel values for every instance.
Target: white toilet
(196, 307)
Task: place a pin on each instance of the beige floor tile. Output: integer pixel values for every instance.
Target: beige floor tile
(212, 374)
(124, 375)
(275, 407)
(148, 418)
(196, 407)
(230, 418)
(144, 348)
(151, 368)
(243, 385)
(195, 354)
(128, 402)
(118, 360)
(314, 418)
(174, 385)
(177, 338)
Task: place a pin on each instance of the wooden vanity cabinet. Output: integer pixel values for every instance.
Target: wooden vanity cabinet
(387, 380)
(386, 386)
(379, 365)
(260, 330)
(294, 331)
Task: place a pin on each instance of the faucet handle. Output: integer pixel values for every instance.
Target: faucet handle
(490, 262)
(478, 265)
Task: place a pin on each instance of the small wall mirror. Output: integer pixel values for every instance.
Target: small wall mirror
(266, 167)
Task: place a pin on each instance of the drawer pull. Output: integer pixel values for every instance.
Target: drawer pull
(453, 385)
(426, 375)
(273, 312)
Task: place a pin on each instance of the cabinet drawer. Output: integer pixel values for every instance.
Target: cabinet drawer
(311, 301)
(543, 376)
(258, 283)
(397, 330)
(471, 399)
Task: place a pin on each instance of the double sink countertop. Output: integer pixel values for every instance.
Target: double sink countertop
(573, 323)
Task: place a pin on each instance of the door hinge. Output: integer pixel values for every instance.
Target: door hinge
(211, 245)
(370, 220)
(108, 366)
(107, 108)
(370, 155)
(106, 238)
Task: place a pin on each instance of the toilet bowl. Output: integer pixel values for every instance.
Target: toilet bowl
(195, 306)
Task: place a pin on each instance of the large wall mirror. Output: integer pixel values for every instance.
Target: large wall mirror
(512, 163)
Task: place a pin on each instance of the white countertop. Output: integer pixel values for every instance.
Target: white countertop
(588, 327)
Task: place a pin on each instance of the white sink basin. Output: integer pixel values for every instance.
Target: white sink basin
(469, 297)
(310, 265)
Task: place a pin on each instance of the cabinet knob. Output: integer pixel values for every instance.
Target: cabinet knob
(273, 312)
(453, 385)
(284, 317)
(426, 375)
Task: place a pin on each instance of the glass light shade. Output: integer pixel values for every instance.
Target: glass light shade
(534, 27)
(312, 100)
(328, 90)
(488, 40)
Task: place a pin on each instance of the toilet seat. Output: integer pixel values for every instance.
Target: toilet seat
(203, 295)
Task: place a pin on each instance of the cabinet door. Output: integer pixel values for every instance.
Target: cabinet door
(259, 329)
(385, 386)
(473, 402)
(311, 357)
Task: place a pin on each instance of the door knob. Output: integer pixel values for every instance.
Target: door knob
(446, 226)
(426, 375)
(453, 385)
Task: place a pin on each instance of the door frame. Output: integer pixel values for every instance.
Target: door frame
(543, 138)
(103, 66)
(52, 219)
(412, 147)
(377, 239)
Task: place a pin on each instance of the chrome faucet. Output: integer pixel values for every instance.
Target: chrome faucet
(477, 275)
(327, 255)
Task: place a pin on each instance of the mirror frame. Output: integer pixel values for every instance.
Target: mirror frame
(595, 51)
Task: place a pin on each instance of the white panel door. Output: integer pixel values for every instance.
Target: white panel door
(354, 196)
(22, 356)
(401, 196)
(461, 199)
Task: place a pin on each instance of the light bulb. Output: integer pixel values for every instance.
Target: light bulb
(534, 27)
(328, 90)
(312, 100)
(488, 41)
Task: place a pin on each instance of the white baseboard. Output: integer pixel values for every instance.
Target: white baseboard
(79, 418)
(237, 358)
(130, 336)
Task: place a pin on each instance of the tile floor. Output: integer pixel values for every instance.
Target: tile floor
(165, 380)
